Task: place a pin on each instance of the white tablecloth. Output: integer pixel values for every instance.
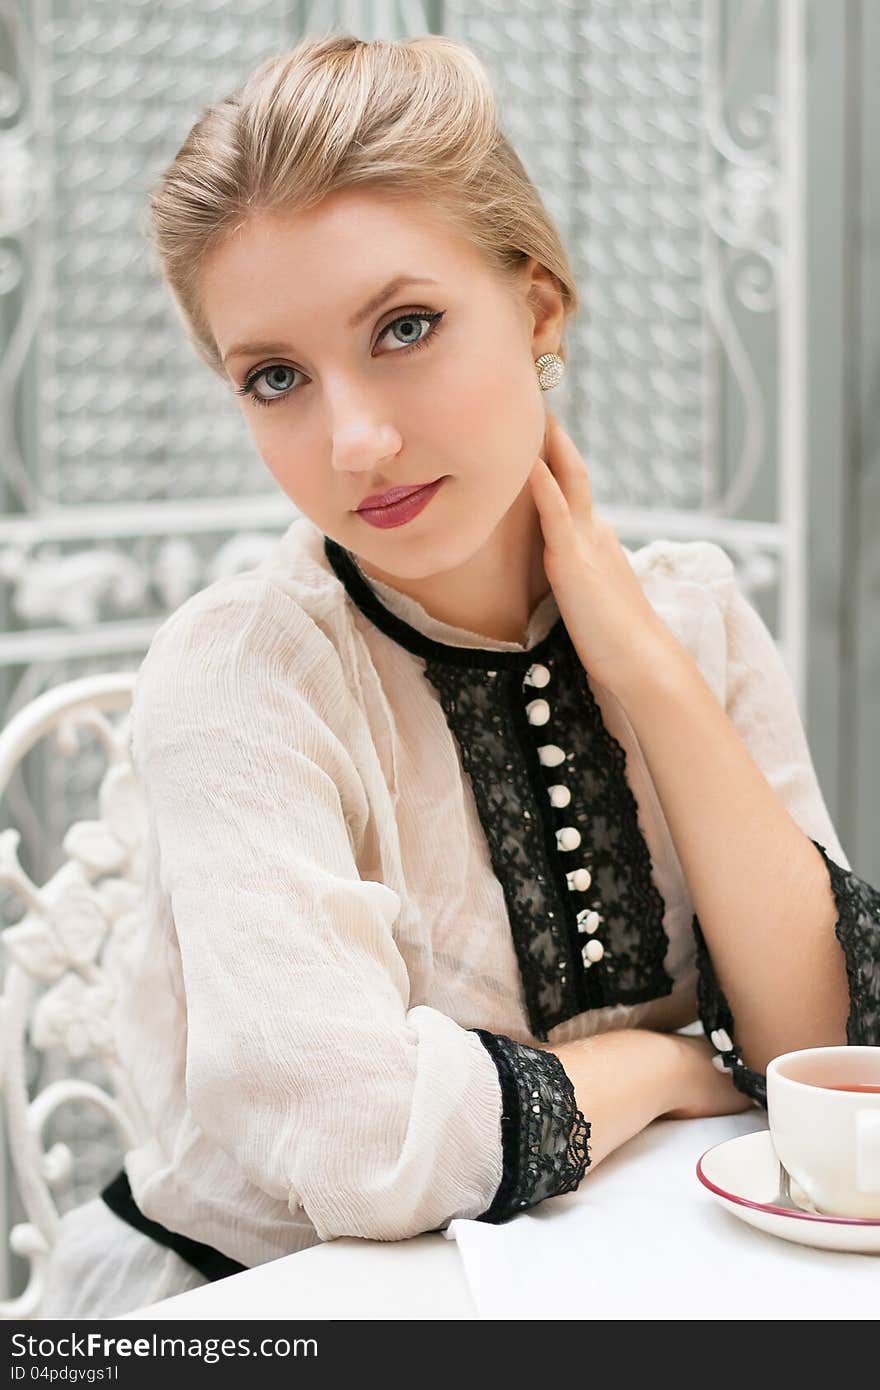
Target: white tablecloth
(642, 1238)
(366, 1279)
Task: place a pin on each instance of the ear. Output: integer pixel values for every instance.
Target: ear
(545, 303)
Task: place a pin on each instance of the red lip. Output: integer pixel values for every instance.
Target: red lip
(394, 494)
(403, 511)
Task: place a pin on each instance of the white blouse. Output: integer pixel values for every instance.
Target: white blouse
(385, 855)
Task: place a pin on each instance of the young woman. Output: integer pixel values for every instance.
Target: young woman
(458, 810)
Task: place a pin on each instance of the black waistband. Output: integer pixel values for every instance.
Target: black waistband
(204, 1258)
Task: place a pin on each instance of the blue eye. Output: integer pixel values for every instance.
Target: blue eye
(284, 388)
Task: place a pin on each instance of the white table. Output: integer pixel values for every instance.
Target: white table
(640, 1238)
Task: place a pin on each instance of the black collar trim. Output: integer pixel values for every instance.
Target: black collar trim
(477, 658)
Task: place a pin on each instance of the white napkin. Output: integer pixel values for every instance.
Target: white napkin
(642, 1238)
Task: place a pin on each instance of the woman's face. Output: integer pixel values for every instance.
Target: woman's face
(431, 380)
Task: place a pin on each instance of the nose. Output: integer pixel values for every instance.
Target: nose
(361, 435)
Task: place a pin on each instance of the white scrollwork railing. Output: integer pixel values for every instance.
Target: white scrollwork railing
(58, 983)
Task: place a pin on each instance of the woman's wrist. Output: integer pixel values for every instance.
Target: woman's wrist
(700, 1088)
(623, 1079)
(684, 1064)
(671, 1062)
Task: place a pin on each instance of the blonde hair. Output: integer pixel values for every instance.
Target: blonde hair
(413, 118)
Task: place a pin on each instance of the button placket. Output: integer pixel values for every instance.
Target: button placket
(498, 758)
(568, 837)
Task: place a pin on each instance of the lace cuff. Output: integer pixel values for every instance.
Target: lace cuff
(857, 929)
(544, 1136)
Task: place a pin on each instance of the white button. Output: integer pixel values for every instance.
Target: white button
(538, 675)
(559, 795)
(579, 879)
(569, 837)
(538, 711)
(720, 1039)
(588, 921)
(551, 755)
(718, 1063)
(593, 951)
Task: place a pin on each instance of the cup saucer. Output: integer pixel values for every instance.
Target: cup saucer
(743, 1173)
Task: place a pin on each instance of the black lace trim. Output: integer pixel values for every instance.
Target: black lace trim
(485, 694)
(717, 1020)
(405, 635)
(857, 929)
(544, 1136)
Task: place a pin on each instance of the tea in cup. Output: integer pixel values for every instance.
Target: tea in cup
(823, 1109)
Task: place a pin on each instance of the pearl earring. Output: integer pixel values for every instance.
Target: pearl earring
(551, 369)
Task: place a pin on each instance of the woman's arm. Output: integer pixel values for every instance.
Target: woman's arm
(628, 1077)
(759, 887)
(729, 759)
(307, 1062)
(738, 789)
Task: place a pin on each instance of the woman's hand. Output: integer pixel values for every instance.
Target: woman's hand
(614, 629)
(703, 1089)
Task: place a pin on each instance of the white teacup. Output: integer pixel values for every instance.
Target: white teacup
(828, 1138)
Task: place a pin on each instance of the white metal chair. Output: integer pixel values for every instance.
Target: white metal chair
(57, 995)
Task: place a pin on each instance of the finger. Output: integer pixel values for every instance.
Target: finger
(567, 464)
(556, 519)
(569, 469)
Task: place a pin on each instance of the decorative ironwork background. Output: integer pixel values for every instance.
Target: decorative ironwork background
(667, 140)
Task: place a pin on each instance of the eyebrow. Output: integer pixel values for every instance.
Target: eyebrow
(396, 283)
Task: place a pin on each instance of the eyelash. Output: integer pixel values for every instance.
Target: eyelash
(434, 318)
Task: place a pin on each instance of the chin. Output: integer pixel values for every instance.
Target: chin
(432, 554)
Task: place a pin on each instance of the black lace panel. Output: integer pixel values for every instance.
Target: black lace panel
(857, 929)
(544, 1136)
(576, 876)
(558, 813)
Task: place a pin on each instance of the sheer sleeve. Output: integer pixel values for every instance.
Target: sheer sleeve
(306, 1062)
(761, 703)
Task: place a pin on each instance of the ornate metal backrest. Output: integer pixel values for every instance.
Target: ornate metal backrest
(58, 988)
